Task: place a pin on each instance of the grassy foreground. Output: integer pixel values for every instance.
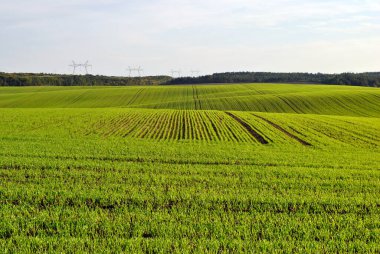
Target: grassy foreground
(106, 179)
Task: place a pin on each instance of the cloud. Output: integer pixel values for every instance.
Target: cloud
(159, 34)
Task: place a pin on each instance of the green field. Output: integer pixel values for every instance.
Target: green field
(307, 99)
(182, 169)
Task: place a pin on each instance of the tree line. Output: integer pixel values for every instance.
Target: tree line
(32, 79)
(353, 79)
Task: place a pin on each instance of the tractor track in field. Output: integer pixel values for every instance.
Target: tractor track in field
(135, 96)
(256, 135)
(17, 166)
(197, 102)
(278, 127)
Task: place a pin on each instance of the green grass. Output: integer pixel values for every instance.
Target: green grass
(309, 99)
(78, 173)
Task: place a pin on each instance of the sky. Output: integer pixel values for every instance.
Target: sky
(211, 36)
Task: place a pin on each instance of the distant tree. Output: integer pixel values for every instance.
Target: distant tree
(361, 79)
(29, 79)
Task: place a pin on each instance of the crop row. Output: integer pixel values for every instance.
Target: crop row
(194, 125)
(280, 98)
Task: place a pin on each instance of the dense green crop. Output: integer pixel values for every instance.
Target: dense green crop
(310, 99)
(194, 125)
(232, 179)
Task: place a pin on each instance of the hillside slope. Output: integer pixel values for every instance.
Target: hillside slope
(281, 98)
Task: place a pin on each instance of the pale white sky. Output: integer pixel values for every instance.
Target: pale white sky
(209, 35)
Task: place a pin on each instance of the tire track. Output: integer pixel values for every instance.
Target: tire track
(197, 101)
(278, 127)
(256, 135)
(135, 96)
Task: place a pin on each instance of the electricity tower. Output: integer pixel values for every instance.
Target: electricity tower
(194, 73)
(75, 66)
(86, 65)
(137, 70)
(174, 72)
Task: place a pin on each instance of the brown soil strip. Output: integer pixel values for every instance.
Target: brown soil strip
(256, 135)
(290, 135)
